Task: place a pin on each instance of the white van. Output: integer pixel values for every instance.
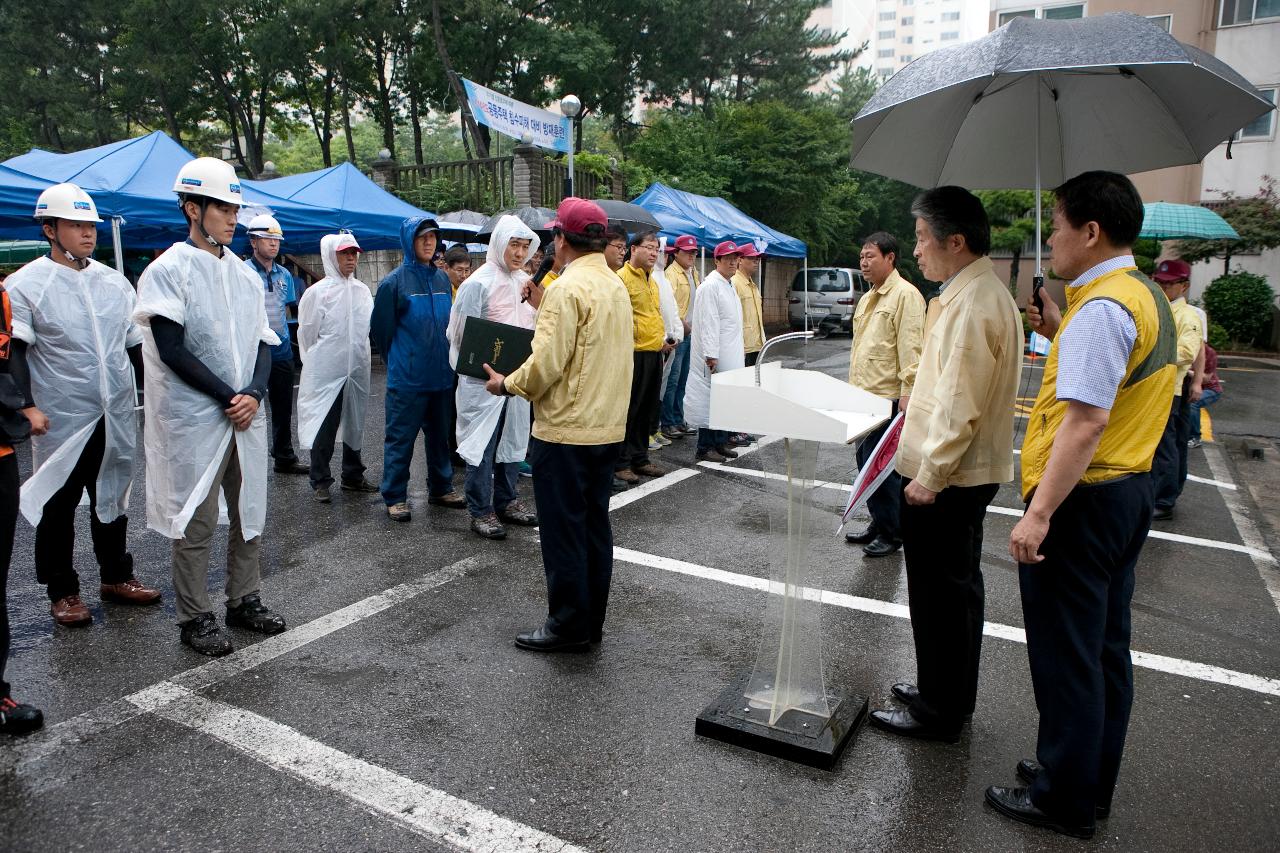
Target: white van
(828, 297)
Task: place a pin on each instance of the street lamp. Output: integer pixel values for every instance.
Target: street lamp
(570, 105)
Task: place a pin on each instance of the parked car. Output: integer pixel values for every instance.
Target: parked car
(832, 294)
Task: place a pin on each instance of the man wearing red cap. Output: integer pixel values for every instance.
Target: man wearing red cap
(1169, 469)
(579, 380)
(717, 346)
(744, 283)
(684, 282)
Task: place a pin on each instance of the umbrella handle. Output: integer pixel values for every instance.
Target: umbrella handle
(1037, 285)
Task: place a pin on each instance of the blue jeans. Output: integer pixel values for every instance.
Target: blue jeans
(673, 394)
(410, 413)
(1207, 398)
(491, 483)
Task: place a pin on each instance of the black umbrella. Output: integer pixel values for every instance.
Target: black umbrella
(630, 216)
(536, 218)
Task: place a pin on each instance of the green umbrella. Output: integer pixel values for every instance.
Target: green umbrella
(1165, 221)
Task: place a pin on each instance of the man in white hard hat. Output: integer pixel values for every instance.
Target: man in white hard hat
(73, 339)
(207, 347)
(280, 295)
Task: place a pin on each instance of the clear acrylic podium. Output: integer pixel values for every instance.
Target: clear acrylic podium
(783, 706)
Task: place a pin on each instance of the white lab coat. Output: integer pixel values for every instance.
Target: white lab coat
(219, 303)
(493, 293)
(333, 338)
(717, 333)
(77, 325)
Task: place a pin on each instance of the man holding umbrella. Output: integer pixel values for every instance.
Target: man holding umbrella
(1093, 429)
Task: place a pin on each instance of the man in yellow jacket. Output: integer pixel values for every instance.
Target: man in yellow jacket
(1101, 409)
(651, 344)
(1169, 471)
(888, 327)
(577, 378)
(956, 449)
(744, 284)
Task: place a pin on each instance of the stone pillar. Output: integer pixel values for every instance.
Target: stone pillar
(384, 171)
(617, 185)
(526, 176)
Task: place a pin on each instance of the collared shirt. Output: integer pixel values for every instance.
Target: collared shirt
(683, 284)
(279, 292)
(650, 331)
(1189, 339)
(888, 331)
(1093, 351)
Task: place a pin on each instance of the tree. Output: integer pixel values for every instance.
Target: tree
(1256, 219)
(1241, 303)
(1013, 222)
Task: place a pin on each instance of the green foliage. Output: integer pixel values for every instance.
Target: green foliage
(1218, 337)
(1255, 218)
(1145, 253)
(1241, 303)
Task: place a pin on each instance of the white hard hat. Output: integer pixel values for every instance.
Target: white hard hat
(66, 201)
(265, 225)
(210, 178)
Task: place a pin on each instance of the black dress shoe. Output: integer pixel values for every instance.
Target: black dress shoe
(881, 547)
(1016, 803)
(543, 640)
(294, 467)
(902, 723)
(867, 535)
(1162, 514)
(906, 691)
(1028, 771)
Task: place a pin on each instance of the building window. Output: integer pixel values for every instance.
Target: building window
(908, 2)
(1064, 13)
(1006, 17)
(1263, 126)
(908, 39)
(885, 34)
(1164, 22)
(950, 16)
(908, 21)
(888, 16)
(1248, 11)
(886, 72)
(905, 59)
(949, 37)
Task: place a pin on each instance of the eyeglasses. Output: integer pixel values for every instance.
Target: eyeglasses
(617, 245)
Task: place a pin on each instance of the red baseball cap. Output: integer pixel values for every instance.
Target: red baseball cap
(749, 250)
(575, 215)
(684, 243)
(1172, 270)
(347, 243)
(728, 247)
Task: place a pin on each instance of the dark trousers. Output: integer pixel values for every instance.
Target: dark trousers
(752, 358)
(885, 502)
(8, 521)
(642, 410)
(280, 399)
(410, 413)
(1075, 605)
(942, 543)
(572, 495)
(710, 439)
(322, 451)
(56, 532)
(1169, 468)
(490, 483)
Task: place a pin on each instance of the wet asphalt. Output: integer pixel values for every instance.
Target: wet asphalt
(599, 749)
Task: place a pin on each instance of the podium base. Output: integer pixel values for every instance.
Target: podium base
(797, 736)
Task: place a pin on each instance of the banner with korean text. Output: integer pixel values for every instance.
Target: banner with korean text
(515, 119)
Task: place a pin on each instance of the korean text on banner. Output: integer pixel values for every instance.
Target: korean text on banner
(515, 119)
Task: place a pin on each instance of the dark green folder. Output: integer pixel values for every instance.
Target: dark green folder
(502, 347)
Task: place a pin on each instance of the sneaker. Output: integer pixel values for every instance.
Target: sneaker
(71, 612)
(129, 592)
(321, 494)
(362, 486)
(688, 430)
(727, 452)
(253, 615)
(517, 513)
(489, 527)
(526, 470)
(203, 635)
(709, 456)
(452, 500)
(654, 444)
(672, 434)
(18, 719)
(661, 439)
(1194, 443)
(399, 512)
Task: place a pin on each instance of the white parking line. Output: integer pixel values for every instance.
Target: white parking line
(1161, 663)
(1245, 527)
(426, 811)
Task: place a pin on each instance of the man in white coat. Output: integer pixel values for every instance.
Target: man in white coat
(207, 350)
(493, 432)
(717, 346)
(73, 338)
(333, 336)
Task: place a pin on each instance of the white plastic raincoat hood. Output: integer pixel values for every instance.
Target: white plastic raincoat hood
(333, 336)
(493, 292)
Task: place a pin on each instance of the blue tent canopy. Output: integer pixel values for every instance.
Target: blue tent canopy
(714, 220)
(354, 203)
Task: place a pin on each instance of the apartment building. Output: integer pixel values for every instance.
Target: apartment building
(897, 31)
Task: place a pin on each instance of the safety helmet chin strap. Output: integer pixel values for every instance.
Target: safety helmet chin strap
(204, 205)
(78, 262)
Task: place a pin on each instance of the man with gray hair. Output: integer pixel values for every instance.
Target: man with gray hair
(956, 449)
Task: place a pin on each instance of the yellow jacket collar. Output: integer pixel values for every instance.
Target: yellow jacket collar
(962, 279)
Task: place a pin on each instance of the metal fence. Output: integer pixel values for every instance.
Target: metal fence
(586, 184)
(474, 184)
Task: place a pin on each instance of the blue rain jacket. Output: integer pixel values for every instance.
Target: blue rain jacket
(410, 318)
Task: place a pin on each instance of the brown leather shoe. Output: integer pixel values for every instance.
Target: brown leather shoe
(627, 476)
(130, 592)
(648, 470)
(70, 611)
(452, 500)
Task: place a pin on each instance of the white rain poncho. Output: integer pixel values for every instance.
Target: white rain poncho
(77, 325)
(717, 333)
(493, 293)
(333, 336)
(218, 302)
